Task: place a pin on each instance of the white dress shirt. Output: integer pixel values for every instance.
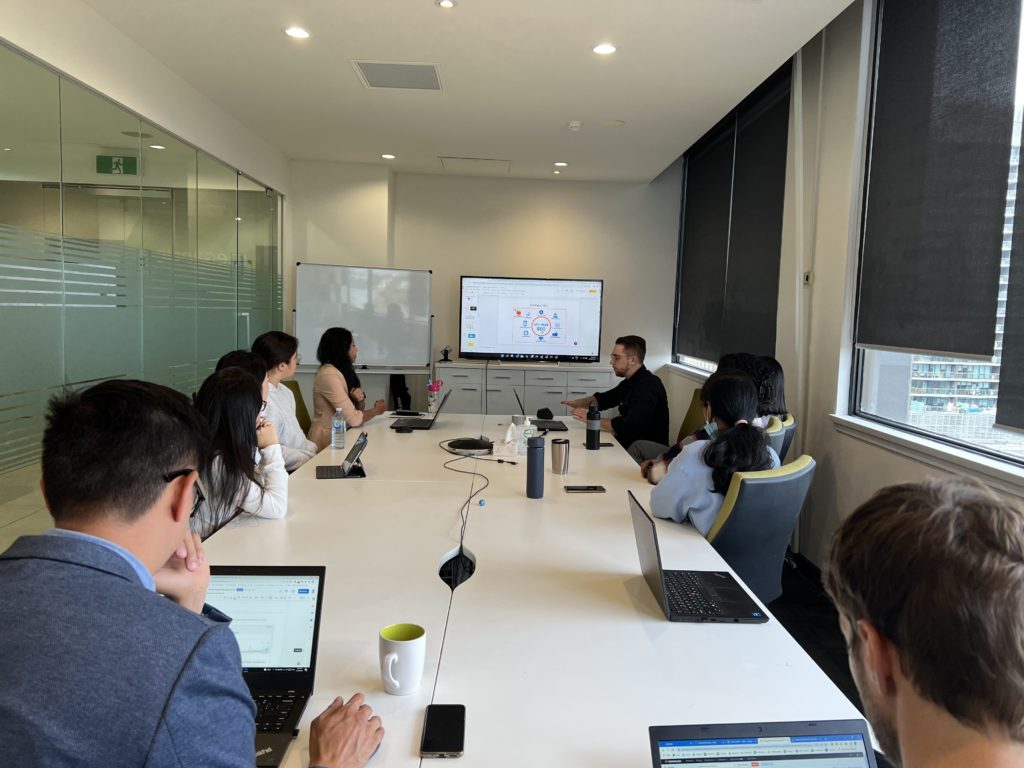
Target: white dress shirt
(297, 449)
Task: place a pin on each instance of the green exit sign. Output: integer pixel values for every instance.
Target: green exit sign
(117, 164)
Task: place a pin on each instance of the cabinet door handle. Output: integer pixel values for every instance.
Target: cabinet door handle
(506, 378)
(554, 392)
(583, 379)
(469, 389)
(494, 390)
(545, 378)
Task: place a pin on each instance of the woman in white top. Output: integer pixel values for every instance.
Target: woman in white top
(337, 386)
(235, 483)
(280, 351)
(698, 478)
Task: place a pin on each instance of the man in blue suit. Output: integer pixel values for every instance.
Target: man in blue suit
(109, 655)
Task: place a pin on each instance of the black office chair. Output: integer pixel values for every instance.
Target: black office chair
(756, 523)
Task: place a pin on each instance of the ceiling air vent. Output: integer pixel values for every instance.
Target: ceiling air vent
(408, 77)
(476, 166)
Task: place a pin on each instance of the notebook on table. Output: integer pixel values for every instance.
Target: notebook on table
(350, 467)
(818, 744)
(421, 423)
(551, 425)
(275, 616)
(689, 595)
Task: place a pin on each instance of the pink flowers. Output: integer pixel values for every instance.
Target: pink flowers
(434, 386)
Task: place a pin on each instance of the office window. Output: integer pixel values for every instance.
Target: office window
(937, 310)
(731, 229)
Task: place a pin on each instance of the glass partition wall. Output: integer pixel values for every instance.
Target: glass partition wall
(124, 253)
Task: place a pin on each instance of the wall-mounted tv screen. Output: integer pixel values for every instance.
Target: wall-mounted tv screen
(516, 318)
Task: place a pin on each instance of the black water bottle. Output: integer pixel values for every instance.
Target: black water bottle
(593, 428)
(535, 468)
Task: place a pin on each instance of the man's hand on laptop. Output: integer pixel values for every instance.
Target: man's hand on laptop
(185, 575)
(344, 735)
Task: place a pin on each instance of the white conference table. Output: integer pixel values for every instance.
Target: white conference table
(555, 645)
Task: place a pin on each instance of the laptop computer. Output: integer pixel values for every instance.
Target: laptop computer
(551, 425)
(275, 615)
(350, 467)
(832, 743)
(421, 423)
(689, 595)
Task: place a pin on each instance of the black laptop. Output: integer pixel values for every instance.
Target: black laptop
(421, 423)
(350, 467)
(275, 615)
(689, 595)
(832, 743)
(551, 425)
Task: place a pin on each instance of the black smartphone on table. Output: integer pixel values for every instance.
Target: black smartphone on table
(444, 731)
(584, 489)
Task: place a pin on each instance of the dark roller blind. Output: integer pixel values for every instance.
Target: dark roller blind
(704, 241)
(1010, 402)
(731, 227)
(755, 239)
(941, 130)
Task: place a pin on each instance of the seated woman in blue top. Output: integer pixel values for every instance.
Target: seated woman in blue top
(695, 486)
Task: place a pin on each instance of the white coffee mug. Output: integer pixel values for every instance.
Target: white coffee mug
(403, 648)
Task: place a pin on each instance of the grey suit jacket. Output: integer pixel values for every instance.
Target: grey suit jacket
(96, 670)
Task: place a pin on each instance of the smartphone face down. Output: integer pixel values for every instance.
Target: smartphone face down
(584, 489)
(444, 730)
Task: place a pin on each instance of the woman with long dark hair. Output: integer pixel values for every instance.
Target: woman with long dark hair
(280, 351)
(231, 401)
(697, 480)
(337, 386)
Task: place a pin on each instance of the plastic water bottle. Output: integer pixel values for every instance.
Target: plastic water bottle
(593, 428)
(526, 431)
(338, 429)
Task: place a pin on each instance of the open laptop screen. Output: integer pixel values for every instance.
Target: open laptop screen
(273, 617)
(821, 750)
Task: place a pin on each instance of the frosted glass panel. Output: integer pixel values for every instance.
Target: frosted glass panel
(102, 220)
(218, 248)
(119, 251)
(257, 260)
(169, 231)
(30, 257)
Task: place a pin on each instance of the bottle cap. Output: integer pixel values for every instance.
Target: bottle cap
(535, 442)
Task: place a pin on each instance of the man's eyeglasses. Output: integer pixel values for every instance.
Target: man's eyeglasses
(263, 407)
(198, 490)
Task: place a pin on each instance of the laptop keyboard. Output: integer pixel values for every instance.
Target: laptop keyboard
(330, 472)
(551, 425)
(686, 595)
(274, 709)
(413, 423)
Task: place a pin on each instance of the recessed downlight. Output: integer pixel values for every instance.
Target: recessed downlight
(446, 4)
(604, 49)
(387, 156)
(157, 146)
(7, 149)
(560, 164)
(556, 173)
(297, 32)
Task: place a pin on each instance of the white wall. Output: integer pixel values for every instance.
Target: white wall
(71, 37)
(625, 234)
(338, 213)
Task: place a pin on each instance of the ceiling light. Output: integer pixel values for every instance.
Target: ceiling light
(7, 149)
(604, 49)
(556, 172)
(238, 218)
(561, 164)
(388, 157)
(157, 146)
(297, 32)
(612, 123)
(446, 4)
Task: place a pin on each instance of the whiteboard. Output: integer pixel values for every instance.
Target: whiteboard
(387, 310)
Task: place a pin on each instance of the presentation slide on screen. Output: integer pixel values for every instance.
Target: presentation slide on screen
(531, 318)
(273, 618)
